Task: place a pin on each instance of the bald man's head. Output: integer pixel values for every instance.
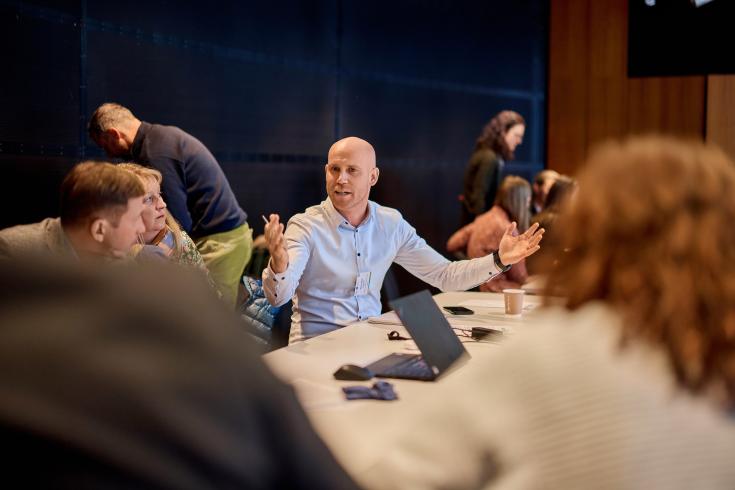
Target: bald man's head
(351, 171)
(354, 146)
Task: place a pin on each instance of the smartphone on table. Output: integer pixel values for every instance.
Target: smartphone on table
(458, 310)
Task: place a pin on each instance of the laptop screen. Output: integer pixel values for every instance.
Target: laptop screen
(430, 330)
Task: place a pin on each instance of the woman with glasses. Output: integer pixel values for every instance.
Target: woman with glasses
(161, 229)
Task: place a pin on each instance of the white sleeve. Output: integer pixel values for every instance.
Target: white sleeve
(418, 258)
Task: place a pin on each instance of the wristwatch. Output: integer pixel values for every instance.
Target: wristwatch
(498, 263)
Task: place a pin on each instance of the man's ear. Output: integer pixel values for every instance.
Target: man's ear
(374, 174)
(98, 229)
(113, 133)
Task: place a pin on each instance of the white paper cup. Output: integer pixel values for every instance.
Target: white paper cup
(513, 301)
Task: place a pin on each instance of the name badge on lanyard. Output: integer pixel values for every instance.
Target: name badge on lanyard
(362, 285)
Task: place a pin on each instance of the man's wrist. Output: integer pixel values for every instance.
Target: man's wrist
(498, 263)
(277, 267)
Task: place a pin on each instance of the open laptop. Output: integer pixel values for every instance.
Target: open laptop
(440, 348)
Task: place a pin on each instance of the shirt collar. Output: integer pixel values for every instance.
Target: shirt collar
(337, 220)
(138, 140)
(66, 243)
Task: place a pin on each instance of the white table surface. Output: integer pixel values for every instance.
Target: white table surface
(356, 430)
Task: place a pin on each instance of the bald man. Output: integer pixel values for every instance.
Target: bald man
(332, 258)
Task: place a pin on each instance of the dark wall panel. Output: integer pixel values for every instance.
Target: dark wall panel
(231, 105)
(283, 188)
(40, 91)
(301, 31)
(30, 185)
(403, 121)
(486, 44)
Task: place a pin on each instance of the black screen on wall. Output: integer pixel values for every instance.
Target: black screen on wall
(680, 37)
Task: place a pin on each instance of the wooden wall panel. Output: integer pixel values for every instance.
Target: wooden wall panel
(671, 105)
(684, 110)
(606, 115)
(591, 98)
(721, 112)
(567, 84)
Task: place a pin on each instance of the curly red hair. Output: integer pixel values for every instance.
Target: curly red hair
(652, 234)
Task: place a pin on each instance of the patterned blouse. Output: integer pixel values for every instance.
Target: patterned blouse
(189, 256)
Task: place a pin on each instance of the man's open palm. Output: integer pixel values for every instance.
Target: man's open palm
(515, 248)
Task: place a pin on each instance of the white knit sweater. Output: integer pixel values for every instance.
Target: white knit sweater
(561, 406)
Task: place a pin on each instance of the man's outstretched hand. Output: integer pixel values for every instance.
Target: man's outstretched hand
(515, 248)
(276, 244)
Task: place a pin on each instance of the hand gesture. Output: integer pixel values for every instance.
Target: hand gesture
(513, 249)
(276, 243)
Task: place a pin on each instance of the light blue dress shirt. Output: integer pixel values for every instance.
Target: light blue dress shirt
(327, 255)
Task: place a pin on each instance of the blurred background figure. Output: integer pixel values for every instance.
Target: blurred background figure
(494, 147)
(559, 194)
(100, 218)
(542, 183)
(483, 235)
(631, 384)
(558, 199)
(104, 385)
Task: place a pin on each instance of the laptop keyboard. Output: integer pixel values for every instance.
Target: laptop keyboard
(412, 367)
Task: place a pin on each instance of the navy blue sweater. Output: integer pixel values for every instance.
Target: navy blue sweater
(194, 186)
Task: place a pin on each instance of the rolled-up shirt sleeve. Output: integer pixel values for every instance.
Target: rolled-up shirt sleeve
(418, 258)
(279, 287)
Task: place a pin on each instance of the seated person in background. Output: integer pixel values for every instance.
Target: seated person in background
(484, 234)
(258, 315)
(101, 207)
(333, 258)
(560, 194)
(161, 229)
(494, 147)
(542, 183)
(267, 324)
(104, 385)
(632, 384)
